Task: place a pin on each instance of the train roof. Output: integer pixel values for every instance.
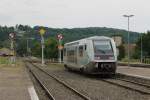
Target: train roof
(89, 38)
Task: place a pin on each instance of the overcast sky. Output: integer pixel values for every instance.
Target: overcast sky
(76, 13)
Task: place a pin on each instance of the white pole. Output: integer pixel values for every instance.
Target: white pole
(141, 50)
(12, 59)
(128, 44)
(11, 46)
(128, 16)
(59, 52)
(27, 46)
(42, 43)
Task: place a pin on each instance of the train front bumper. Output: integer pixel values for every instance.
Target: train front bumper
(100, 68)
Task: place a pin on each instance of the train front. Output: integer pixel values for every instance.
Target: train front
(105, 57)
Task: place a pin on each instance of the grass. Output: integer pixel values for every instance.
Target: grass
(5, 60)
(136, 61)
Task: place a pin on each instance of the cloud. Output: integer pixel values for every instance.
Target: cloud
(5, 18)
(76, 13)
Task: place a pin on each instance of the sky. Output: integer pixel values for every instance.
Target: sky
(76, 13)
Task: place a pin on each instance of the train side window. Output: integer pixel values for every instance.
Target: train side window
(80, 51)
(64, 51)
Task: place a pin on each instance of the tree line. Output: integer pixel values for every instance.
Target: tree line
(24, 31)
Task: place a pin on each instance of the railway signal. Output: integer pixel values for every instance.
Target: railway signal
(42, 32)
(60, 36)
(12, 37)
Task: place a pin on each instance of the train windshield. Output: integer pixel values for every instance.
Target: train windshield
(102, 47)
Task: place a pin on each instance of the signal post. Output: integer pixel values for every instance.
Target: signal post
(60, 47)
(42, 32)
(12, 37)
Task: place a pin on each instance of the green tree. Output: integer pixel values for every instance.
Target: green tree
(21, 47)
(36, 49)
(145, 46)
(51, 50)
(121, 52)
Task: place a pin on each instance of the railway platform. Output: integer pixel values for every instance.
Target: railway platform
(134, 71)
(15, 83)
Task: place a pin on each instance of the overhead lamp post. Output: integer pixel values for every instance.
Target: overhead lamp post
(141, 50)
(128, 16)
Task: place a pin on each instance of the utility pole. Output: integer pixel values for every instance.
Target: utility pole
(128, 16)
(42, 42)
(141, 50)
(27, 46)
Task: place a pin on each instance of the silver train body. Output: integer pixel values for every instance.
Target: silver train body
(93, 55)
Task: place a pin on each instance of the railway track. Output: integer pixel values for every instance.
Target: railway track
(50, 96)
(48, 90)
(129, 84)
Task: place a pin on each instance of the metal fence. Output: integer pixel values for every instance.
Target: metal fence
(145, 60)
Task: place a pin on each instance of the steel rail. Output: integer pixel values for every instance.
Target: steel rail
(51, 97)
(126, 87)
(140, 84)
(63, 83)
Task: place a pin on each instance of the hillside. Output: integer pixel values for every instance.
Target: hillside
(69, 34)
(78, 33)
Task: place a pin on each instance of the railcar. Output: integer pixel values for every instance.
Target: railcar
(93, 55)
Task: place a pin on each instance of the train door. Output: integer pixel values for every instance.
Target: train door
(82, 55)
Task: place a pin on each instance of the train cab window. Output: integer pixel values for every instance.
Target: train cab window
(64, 51)
(80, 51)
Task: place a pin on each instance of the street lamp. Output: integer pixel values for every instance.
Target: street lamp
(128, 16)
(141, 50)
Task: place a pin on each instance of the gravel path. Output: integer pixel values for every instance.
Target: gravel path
(96, 89)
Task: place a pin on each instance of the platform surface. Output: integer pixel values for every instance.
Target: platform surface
(134, 71)
(15, 83)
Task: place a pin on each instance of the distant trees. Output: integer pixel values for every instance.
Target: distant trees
(121, 52)
(145, 47)
(36, 49)
(4, 35)
(21, 47)
(50, 50)
(50, 37)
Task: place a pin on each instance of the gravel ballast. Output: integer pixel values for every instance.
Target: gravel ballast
(58, 91)
(93, 87)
